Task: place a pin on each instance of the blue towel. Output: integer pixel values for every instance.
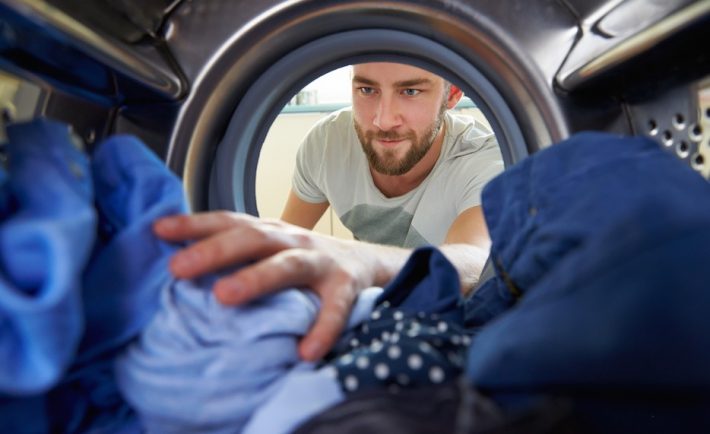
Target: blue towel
(604, 242)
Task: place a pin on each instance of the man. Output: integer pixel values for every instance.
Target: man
(397, 169)
(399, 116)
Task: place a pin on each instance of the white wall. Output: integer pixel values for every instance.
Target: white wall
(276, 165)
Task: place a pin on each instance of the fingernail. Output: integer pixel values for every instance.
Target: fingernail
(310, 350)
(227, 291)
(165, 224)
(184, 261)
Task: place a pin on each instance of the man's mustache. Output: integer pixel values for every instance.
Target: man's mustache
(390, 135)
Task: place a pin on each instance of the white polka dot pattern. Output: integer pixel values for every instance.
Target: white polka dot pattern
(399, 349)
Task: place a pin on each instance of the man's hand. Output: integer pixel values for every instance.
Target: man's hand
(280, 256)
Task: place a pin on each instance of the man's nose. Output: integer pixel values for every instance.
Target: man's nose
(388, 114)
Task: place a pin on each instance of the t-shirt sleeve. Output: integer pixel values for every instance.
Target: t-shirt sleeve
(308, 176)
(487, 164)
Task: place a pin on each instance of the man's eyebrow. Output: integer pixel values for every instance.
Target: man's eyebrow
(362, 80)
(400, 84)
(413, 82)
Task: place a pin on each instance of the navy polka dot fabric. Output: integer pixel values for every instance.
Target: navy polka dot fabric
(414, 336)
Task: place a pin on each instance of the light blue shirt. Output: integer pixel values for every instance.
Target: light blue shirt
(203, 367)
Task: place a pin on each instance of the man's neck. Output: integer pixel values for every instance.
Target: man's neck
(398, 185)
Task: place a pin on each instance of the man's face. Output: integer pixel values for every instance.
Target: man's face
(398, 112)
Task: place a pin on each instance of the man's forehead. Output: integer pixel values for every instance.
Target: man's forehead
(385, 73)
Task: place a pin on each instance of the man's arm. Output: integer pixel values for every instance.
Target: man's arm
(467, 245)
(281, 255)
(301, 213)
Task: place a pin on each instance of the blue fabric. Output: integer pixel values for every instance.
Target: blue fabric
(198, 351)
(427, 283)
(416, 334)
(69, 298)
(303, 394)
(45, 240)
(129, 264)
(604, 241)
(305, 391)
(121, 283)
(547, 206)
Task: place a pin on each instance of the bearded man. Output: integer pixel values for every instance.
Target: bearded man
(398, 168)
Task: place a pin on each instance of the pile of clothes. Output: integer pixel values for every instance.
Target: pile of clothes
(596, 318)
(80, 274)
(593, 321)
(99, 337)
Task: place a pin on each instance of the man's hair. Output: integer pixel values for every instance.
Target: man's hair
(447, 89)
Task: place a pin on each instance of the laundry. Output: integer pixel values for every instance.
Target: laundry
(600, 245)
(414, 337)
(190, 348)
(244, 360)
(83, 277)
(594, 320)
(197, 351)
(46, 237)
(582, 298)
(423, 300)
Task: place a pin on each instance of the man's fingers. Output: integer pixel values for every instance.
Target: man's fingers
(196, 226)
(236, 245)
(302, 268)
(331, 320)
(289, 268)
(275, 256)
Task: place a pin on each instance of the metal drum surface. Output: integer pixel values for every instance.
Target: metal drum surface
(201, 81)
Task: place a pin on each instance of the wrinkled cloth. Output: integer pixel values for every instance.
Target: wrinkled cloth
(47, 232)
(122, 281)
(423, 300)
(600, 245)
(80, 279)
(129, 265)
(414, 337)
(243, 361)
(223, 362)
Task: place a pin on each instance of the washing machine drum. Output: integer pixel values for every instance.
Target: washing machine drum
(201, 82)
(537, 70)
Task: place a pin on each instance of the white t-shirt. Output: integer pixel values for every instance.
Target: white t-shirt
(331, 167)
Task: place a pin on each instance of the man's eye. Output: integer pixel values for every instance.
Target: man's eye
(411, 92)
(366, 90)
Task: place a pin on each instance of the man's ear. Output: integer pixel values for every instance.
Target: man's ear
(455, 95)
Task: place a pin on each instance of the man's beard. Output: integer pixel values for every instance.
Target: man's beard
(387, 163)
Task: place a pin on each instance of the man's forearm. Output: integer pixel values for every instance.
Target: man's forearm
(468, 261)
(382, 261)
(387, 261)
